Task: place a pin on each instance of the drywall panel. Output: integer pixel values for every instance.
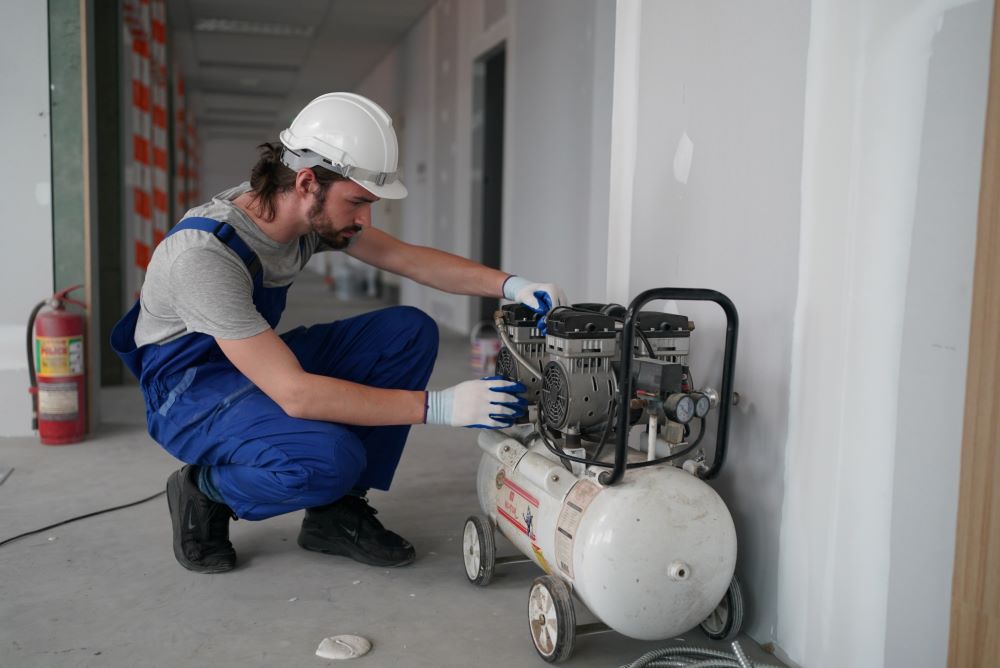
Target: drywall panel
(432, 141)
(557, 143)
(493, 11)
(445, 177)
(716, 202)
(595, 281)
(416, 148)
(935, 341)
(27, 191)
(864, 186)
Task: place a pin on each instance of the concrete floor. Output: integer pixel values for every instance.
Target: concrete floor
(107, 592)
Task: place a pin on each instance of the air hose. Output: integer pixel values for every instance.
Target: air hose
(33, 388)
(505, 338)
(696, 657)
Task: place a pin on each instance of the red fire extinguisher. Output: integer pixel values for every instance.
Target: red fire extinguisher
(56, 366)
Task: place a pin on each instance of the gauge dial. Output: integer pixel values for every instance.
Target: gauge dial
(679, 408)
(702, 405)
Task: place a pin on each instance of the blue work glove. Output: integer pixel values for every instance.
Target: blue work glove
(487, 403)
(539, 297)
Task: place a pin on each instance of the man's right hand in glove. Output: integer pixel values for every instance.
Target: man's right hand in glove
(487, 403)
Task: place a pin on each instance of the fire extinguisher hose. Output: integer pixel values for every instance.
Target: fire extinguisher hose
(33, 390)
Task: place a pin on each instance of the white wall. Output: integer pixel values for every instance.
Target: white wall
(936, 342)
(557, 139)
(820, 166)
(416, 158)
(870, 177)
(25, 175)
(731, 79)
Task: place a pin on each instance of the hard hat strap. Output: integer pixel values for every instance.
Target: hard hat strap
(306, 159)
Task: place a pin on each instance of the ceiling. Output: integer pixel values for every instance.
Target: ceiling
(250, 65)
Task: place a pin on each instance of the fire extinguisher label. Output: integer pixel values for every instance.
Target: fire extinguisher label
(59, 356)
(58, 402)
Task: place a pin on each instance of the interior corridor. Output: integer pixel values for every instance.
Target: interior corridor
(106, 591)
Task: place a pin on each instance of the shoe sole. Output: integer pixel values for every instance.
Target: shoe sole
(173, 499)
(344, 548)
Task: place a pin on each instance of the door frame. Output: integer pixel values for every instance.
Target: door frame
(975, 597)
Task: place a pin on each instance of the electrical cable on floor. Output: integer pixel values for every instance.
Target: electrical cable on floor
(81, 517)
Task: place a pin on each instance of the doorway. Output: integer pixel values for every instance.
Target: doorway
(487, 165)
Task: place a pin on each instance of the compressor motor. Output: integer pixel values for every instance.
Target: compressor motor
(572, 372)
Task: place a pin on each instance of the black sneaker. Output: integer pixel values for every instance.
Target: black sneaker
(348, 527)
(201, 526)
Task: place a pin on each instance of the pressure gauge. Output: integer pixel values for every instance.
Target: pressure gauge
(702, 404)
(679, 408)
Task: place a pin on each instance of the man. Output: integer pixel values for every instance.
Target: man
(312, 419)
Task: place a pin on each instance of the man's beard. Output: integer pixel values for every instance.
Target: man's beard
(322, 226)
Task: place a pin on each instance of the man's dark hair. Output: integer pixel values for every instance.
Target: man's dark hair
(270, 177)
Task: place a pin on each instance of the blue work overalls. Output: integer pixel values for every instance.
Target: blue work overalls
(203, 411)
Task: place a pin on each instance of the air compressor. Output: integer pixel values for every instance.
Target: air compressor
(634, 532)
(56, 359)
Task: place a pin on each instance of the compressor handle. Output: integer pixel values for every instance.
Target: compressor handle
(626, 382)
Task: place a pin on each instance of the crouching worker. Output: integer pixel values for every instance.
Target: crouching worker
(313, 418)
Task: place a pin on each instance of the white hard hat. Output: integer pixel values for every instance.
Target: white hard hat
(350, 135)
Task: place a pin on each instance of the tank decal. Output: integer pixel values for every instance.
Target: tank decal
(582, 494)
(517, 489)
(516, 505)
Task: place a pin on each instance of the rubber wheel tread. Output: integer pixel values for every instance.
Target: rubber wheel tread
(733, 624)
(562, 600)
(487, 550)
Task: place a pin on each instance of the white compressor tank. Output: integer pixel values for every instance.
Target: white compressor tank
(651, 556)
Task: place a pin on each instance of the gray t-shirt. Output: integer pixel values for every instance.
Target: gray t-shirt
(195, 283)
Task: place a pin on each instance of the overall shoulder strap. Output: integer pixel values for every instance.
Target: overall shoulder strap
(227, 235)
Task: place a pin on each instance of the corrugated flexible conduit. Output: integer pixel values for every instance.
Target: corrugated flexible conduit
(696, 657)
